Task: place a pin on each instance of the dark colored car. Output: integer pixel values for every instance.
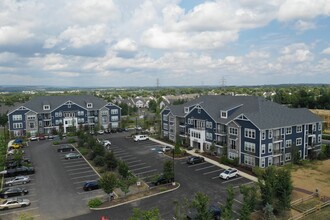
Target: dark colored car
(91, 185)
(65, 148)
(23, 170)
(14, 164)
(215, 213)
(120, 129)
(162, 180)
(195, 159)
(11, 159)
(6, 193)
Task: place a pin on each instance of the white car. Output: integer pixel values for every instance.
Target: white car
(13, 151)
(33, 138)
(106, 143)
(14, 203)
(18, 180)
(100, 132)
(141, 138)
(229, 173)
(166, 148)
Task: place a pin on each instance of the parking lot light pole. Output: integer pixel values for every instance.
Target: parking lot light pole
(173, 168)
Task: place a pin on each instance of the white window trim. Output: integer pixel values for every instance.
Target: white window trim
(46, 107)
(186, 109)
(300, 130)
(89, 105)
(288, 130)
(263, 148)
(270, 147)
(225, 114)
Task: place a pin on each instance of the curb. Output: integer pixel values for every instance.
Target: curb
(191, 152)
(137, 199)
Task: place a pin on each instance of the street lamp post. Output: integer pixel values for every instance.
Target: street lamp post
(173, 168)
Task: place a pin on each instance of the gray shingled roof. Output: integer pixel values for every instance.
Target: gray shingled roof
(36, 103)
(263, 113)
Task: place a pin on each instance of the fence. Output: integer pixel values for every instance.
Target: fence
(310, 211)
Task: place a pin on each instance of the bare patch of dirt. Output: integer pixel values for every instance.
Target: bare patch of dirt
(313, 177)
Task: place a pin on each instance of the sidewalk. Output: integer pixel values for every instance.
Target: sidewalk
(245, 175)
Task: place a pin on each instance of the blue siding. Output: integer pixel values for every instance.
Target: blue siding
(248, 124)
(17, 112)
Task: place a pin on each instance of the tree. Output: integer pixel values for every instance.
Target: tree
(152, 106)
(268, 212)
(108, 182)
(168, 170)
(110, 161)
(98, 149)
(201, 204)
(123, 169)
(124, 184)
(181, 209)
(227, 208)
(152, 214)
(249, 201)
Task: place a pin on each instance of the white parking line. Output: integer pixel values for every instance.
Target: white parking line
(80, 177)
(84, 181)
(204, 168)
(88, 171)
(128, 156)
(243, 184)
(214, 171)
(89, 192)
(73, 162)
(227, 181)
(140, 168)
(88, 198)
(132, 161)
(138, 164)
(81, 168)
(119, 151)
(197, 164)
(76, 165)
(124, 153)
(149, 171)
(14, 212)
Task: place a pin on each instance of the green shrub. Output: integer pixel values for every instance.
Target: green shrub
(71, 140)
(91, 155)
(326, 137)
(56, 142)
(99, 161)
(84, 151)
(94, 203)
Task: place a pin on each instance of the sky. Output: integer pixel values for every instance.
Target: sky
(121, 43)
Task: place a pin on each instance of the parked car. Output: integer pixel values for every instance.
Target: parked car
(41, 137)
(14, 203)
(107, 131)
(215, 213)
(11, 159)
(50, 137)
(162, 180)
(10, 192)
(140, 138)
(106, 143)
(33, 138)
(18, 180)
(16, 146)
(91, 185)
(100, 132)
(22, 170)
(15, 163)
(65, 148)
(195, 159)
(72, 156)
(229, 173)
(13, 151)
(166, 148)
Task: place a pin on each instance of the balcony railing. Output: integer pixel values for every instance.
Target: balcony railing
(277, 138)
(221, 131)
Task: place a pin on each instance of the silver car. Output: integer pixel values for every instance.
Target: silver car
(18, 180)
(14, 203)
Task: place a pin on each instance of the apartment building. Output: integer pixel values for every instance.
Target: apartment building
(257, 131)
(42, 114)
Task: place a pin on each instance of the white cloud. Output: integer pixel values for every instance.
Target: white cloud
(13, 35)
(304, 25)
(298, 52)
(326, 51)
(125, 45)
(303, 9)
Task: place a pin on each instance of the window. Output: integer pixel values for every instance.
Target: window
(223, 114)
(270, 134)
(17, 117)
(314, 127)
(299, 129)
(80, 113)
(104, 112)
(56, 114)
(270, 161)
(17, 125)
(165, 126)
(233, 144)
(198, 110)
(263, 148)
(298, 141)
(209, 124)
(289, 130)
(104, 119)
(233, 131)
(249, 147)
(319, 138)
(114, 111)
(69, 105)
(232, 155)
(209, 136)
(186, 109)
(262, 162)
(46, 107)
(114, 118)
(288, 143)
(270, 147)
(165, 118)
(320, 126)
(190, 121)
(249, 160)
(31, 125)
(263, 135)
(31, 117)
(250, 133)
(89, 105)
(287, 156)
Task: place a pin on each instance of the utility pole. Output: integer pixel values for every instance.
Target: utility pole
(223, 83)
(157, 83)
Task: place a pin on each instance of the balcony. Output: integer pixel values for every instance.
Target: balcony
(277, 138)
(182, 124)
(220, 132)
(221, 143)
(277, 152)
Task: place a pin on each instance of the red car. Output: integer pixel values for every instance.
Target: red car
(42, 137)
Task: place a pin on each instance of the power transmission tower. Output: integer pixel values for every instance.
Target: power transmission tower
(223, 82)
(157, 83)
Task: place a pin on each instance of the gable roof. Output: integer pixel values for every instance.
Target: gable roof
(263, 113)
(37, 103)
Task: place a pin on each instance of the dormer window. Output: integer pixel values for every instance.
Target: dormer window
(89, 105)
(223, 114)
(186, 109)
(46, 107)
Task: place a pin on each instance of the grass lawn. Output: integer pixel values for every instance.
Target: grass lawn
(323, 214)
